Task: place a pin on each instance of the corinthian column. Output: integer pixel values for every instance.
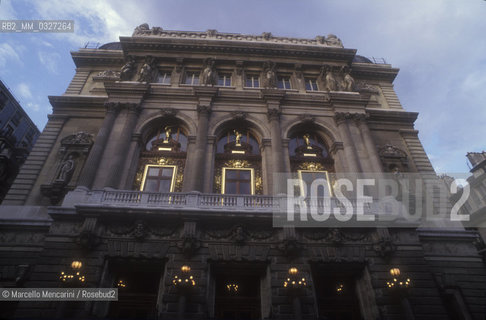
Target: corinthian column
(196, 159)
(349, 148)
(89, 170)
(276, 135)
(122, 145)
(369, 144)
(196, 179)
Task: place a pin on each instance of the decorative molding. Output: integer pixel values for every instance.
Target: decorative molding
(144, 31)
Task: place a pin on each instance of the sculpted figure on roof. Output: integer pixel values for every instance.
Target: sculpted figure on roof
(334, 41)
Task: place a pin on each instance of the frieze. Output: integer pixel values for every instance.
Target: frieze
(139, 230)
(29, 238)
(336, 235)
(238, 234)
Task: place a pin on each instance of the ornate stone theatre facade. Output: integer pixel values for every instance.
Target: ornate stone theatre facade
(156, 172)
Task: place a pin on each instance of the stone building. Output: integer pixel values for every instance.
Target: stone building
(159, 173)
(17, 136)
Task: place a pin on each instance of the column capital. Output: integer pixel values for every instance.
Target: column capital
(137, 137)
(361, 118)
(112, 107)
(266, 142)
(134, 108)
(204, 109)
(336, 146)
(211, 140)
(273, 114)
(191, 139)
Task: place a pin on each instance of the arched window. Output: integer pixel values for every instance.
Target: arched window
(310, 160)
(162, 159)
(238, 162)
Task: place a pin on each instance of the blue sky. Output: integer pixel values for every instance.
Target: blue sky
(439, 46)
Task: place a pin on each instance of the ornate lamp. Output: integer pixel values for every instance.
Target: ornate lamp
(398, 285)
(184, 280)
(398, 282)
(295, 283)
(74, 277)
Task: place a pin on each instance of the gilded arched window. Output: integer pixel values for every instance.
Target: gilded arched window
(238, 163)
(310, 160)
(162, 159)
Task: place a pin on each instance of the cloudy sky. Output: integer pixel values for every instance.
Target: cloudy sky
(439, 46)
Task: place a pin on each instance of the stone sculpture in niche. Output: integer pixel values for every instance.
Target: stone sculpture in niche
(148, 70)
(330, 83)
(348, 80)
(269, 75)
(127, 70)
(66, 169)
(209, 77)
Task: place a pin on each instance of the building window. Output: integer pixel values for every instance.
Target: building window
(283, 82)
(9, 130)
(309, 161)
(192, 78)
(16, 118)
(224, 80)
(162, 161)
(159, 178)
(306, 178)
(311, 84)
(238, 181)
(252, 81)
(164, 77)
(237, 166)
(3, 100)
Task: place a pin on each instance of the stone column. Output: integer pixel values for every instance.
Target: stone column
(286, 156)
(195, 180)
(276, 135)
(122, 144)
(91, 166)
(267, 172)
(349, 149)
(209, 169)
(362, 154)
(131, 164)
(189, 166)
(369, 144)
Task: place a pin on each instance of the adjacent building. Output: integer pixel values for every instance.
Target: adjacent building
(162, 172)
(17, 136)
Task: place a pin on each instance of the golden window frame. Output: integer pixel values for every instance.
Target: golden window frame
(173, 179)
(252, 178)
(299, 172)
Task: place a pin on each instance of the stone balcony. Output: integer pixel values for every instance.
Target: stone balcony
(191, 201)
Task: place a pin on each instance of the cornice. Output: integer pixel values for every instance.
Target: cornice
(97, 57)
(370, 71)
(152, 45)
(391, 116)
(69, 101)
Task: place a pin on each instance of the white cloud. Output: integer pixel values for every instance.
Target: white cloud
(24, 91)
(8, 54)
(33, 106)
(50, 60)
